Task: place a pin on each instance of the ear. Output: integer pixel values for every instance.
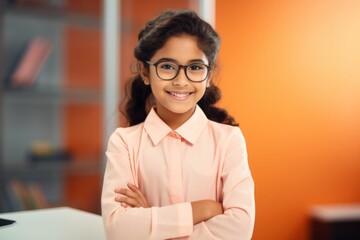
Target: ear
(209, 79)
(144, 73)
(208, 82)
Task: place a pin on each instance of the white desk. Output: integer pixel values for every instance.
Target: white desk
(54, 223)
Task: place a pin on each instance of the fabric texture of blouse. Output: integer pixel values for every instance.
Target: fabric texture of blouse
(202, 159)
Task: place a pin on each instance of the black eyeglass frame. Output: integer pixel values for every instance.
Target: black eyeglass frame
(185, 67)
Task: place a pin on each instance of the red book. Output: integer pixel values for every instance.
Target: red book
(31, 63)
(21, 196)
(37, 196)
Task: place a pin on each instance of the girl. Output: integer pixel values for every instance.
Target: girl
(180, 170)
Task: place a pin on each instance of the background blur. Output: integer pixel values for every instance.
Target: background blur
(289, 72)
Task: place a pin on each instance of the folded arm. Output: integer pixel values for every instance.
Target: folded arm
(202, 210)
(238, 201)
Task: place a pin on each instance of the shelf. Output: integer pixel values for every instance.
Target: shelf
(28, 169)
(336, 212)
(51, 168)
(51, 178)
(52, 96)
(38, 169)
(63, 103)
(55, 14)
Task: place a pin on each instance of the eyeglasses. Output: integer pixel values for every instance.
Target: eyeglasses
(167, 70)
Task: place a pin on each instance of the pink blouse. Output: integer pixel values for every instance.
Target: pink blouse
(201, 160)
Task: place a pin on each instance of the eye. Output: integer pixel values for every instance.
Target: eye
(167, 66)
(196, 67)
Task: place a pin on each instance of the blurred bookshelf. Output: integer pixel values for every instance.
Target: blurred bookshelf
(51, 118)
(54, 13)
(53, 96)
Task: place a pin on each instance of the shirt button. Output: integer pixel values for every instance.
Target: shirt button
(175, 135)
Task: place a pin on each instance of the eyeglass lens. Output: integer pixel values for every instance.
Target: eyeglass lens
(196, 72)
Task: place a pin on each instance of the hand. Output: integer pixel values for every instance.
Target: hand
(132, 197)
(205, 209)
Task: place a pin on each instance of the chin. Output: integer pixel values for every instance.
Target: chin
(182, 110)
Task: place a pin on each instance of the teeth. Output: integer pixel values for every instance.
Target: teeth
(180, 94)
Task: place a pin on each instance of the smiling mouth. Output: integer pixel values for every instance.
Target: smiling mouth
(179, 95)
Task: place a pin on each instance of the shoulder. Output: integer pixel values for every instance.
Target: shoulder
(125, 135)
(128, 131)
(225, 132)
(224, 129)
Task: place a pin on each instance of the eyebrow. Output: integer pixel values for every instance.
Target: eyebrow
(173, 60)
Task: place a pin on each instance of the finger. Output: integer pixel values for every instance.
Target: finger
(136, 196)
(132, 187)
(124, 205)
(141, 196)
(135, 189)
(128, 201)
(126, 192)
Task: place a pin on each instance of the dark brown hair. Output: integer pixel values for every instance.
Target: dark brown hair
(151, 38)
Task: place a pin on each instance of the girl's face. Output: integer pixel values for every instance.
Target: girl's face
(176, 99)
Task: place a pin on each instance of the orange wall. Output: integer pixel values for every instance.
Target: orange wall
(290, 74)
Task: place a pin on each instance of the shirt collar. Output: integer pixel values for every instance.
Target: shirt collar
(190, 130)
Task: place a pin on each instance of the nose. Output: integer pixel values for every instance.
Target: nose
(181, 79)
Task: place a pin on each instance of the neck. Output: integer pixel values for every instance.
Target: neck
(175, 120)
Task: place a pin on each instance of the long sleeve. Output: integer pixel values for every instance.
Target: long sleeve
(170, 221)
(237, 222)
